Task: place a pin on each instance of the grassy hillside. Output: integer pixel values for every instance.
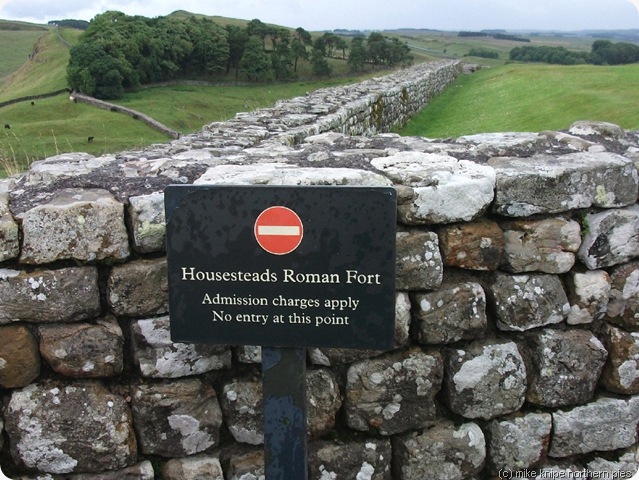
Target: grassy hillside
(531, 97)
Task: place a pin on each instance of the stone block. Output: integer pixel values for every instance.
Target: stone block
(84, 349)
(176, 418)
(243, 405)
(623, 304)
(19, 357)
(484, 380)
(323, 401)
(449, 314)
(473, 246)
(621, 372)
(604, 425)
(38, 420)
(565, 366)
(246, 466)
(365, 459)
(139, 471)
(444, 451)
(547, 246)
(393, 393)
(588, 294)
(517, 442)
(612, 237)
(9, 238)
(195, 467)
(158, 357)
(49, 296)
(522, 302)
(545, 184)
(76, 224)
(444, 189)
(419, 262)
(147, 222)
(139, 289)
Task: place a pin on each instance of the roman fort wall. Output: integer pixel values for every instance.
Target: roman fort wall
(516, 313)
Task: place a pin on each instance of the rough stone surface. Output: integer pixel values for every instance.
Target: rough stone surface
(485, 379)
(148, 223)
(323, 400)
(449, 314)
(158, 357)
(588, 294)
(64, 295)
(517, 442)
(565, 366)
(246, 466)
(84, 350)
(621, 372)
(19, 357)
(196, 467)
(9, 229)
(444, 451)
(522, 302)
(38, 418)
(547, 246)
(139, 471)
(474, 246)
(242, 404)
(623, 305)
(75, 224)
(603, 425)
(545, 184)
(612, 238)
(419, 262)
(368, 459)
(139, 289)
(176, 418)
(393, 393)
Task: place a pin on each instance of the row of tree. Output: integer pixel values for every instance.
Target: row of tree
(603, 52)
(117, 52)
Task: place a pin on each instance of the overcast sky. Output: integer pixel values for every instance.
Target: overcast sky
(358, 14)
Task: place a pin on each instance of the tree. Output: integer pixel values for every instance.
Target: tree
(282, 60)
(210, 47)
(321, 67)
(94, 72)
(257, 28)
(256, 64)
(237, 38)
(358, 55)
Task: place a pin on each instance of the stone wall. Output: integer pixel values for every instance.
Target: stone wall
(517, 339)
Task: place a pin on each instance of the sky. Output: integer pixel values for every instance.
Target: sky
(318, 15)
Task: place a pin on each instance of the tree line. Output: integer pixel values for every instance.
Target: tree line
(603, 52)
(119, 53)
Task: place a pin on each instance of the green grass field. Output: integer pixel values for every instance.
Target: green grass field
(532, 98)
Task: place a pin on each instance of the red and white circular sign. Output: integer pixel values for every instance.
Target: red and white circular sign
(278, 230)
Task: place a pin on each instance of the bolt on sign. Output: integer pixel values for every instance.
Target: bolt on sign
(282, 266)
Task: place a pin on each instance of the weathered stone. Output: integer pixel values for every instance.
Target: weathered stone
(517, 442)
(565, 366)
(522, 302)
(612, 237)
(452, 313)
(65, 166)
(19, 357)
(588, 296)
(196, 467)
(484, 380)
(138, 289)
(623, 465)
(65, 295)
(473, 246)
(603, 425)
(242, 403)
(246, 466)
(76, 224)
(621, 372)
(249, 354)
(323, 401)
(176, 418)
(9, 230)
(368, 459)
(545, 184)
(623, 305)
(499, 144)
(393, 393)
(444, 451)
(147, 222)
(590, 127)
(158, 357)
(39, 419)
(84, 349)
(140, 471)
(547, 246)
(419, 263)
(444, 189)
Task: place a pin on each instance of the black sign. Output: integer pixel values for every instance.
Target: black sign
(282, 266)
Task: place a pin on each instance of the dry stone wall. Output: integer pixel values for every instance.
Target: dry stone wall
(517, 304)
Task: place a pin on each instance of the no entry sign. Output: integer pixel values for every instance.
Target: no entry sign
(282, 266)
(279, 230)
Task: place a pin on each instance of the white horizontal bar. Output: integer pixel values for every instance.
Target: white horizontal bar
(278, 230)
